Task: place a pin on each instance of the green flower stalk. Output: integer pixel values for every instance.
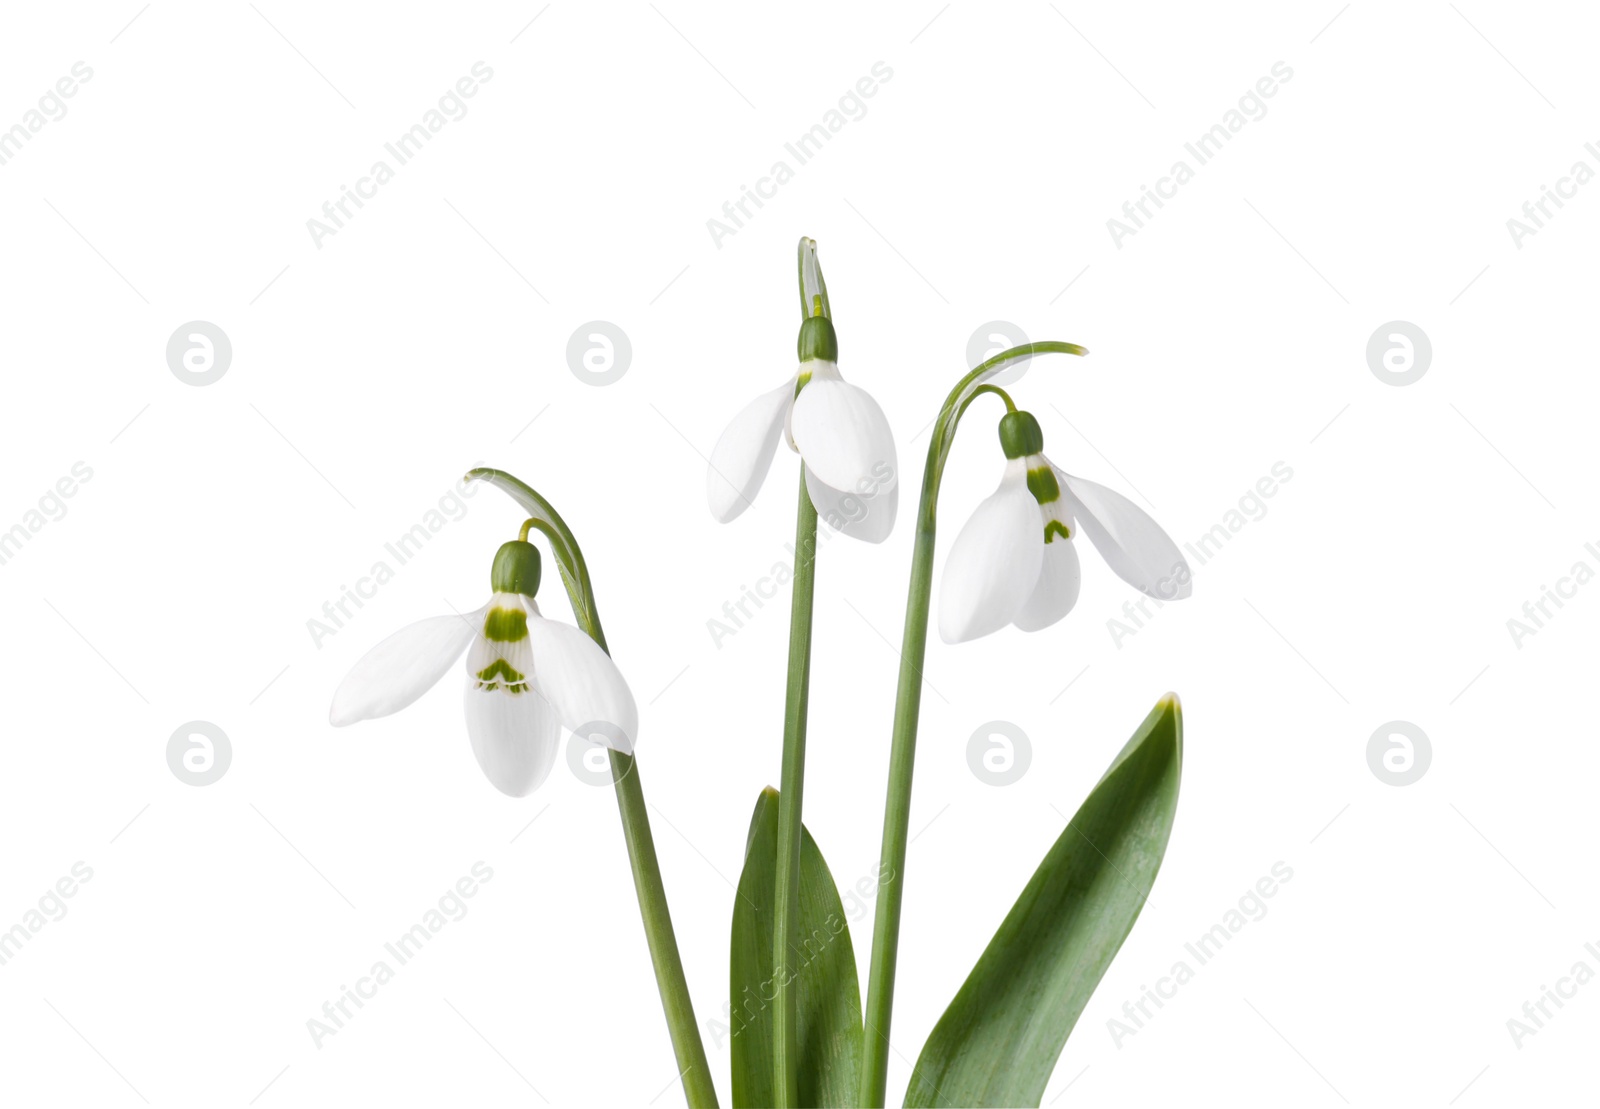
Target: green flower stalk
(1013, 563)
(674, 988)
(527, 677)
(786, 914)
(908, 703)
(848, 478)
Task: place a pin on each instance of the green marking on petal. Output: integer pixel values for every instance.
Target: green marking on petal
(506, 625)
(1043, 485)
(1055, 528)
(490, 675)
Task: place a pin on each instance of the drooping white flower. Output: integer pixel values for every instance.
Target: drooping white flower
(527, 677)
(839, 431)
(1014, 561)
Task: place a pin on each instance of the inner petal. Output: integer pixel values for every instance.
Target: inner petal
(501, 657)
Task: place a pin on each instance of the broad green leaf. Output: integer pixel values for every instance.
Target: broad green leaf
(1000, 1038)
(829, 1017)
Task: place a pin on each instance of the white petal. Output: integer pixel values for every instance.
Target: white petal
(867, 516)
(1127, 538)
(842, 434)
(994, 565)
(1057, 590)
(515, 737)
(742, 457)
(403, 667)
(583, 685)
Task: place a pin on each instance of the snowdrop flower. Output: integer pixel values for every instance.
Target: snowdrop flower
(1014, 561)
(839, 431)
(526, 678)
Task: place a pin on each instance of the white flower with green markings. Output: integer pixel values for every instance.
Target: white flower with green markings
(840, 433)
(527, 677)
(1014, 561)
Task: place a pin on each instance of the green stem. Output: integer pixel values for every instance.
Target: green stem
(686, 1046)
(979, 391)
(663, 942)
(897, 819)
(786, 917)
(907, 707)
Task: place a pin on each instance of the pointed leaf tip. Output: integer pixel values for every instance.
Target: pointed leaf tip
(999, 1040)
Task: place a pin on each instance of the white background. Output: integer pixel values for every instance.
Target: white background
(1228, 334)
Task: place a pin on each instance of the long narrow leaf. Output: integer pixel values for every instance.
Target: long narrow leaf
(829, 1014)
(1000, 1038)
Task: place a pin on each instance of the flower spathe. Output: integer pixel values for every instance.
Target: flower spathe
(839, 431)
(527, 678)
(1014, 561)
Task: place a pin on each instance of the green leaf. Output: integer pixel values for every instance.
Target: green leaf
(1000, 1038)
(829, 1017)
